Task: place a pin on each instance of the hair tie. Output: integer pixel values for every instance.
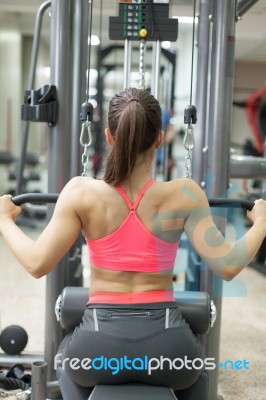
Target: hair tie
(134, 100)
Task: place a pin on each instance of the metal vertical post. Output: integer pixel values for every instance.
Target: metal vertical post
(220, 116)
(156, 52)
(33, 62)
(201, 90)
(38, 380)
(80, 54)
(127, 63)
(221, 94)
(167, 104)
(169, 85)
(59, 157)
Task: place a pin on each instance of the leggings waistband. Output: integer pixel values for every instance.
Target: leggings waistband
(154, 296)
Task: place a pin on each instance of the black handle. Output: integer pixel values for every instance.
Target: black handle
(232, 203)
(35, 198)
(52, 198)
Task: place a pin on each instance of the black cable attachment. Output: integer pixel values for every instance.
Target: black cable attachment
(40, 105)
(12, 384)
(190, 115)
(86, 113)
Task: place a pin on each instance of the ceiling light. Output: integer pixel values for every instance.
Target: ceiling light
(95, 41)
(186, 20)
(166, 44)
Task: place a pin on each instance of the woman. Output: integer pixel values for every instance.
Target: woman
(132, 225)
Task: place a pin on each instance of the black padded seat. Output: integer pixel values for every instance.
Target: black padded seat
(131, 392)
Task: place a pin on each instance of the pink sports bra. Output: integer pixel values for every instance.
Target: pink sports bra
(132, 247)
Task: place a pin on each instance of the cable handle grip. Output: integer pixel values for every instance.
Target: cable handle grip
(53, 197)
(231, 203)
(35, 198)
(235, 203)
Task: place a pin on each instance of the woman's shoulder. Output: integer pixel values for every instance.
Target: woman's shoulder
(77, 183)
(84, 193)
(81, 187)
(84, 182)
(183, 184)
(187, 189)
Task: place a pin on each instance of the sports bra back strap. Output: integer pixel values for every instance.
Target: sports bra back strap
(123, 194)
(141, 193)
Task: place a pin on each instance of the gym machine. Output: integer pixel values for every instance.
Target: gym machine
(197, 308)
(69, 50)
(69, 28)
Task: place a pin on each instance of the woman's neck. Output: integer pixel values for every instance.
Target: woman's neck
(141, 172)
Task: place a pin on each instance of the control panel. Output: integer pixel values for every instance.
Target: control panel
(143, 19)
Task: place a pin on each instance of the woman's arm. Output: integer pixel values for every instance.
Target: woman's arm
(40, 256)
(226, 259)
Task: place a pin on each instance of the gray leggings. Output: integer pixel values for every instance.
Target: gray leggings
(120, 344)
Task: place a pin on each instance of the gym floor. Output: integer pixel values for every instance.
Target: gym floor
(22, 302)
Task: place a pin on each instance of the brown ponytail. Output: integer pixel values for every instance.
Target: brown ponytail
(134, 120)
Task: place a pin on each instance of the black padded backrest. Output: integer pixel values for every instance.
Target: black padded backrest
(72, 307)
(131, 392)
(195, 307)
